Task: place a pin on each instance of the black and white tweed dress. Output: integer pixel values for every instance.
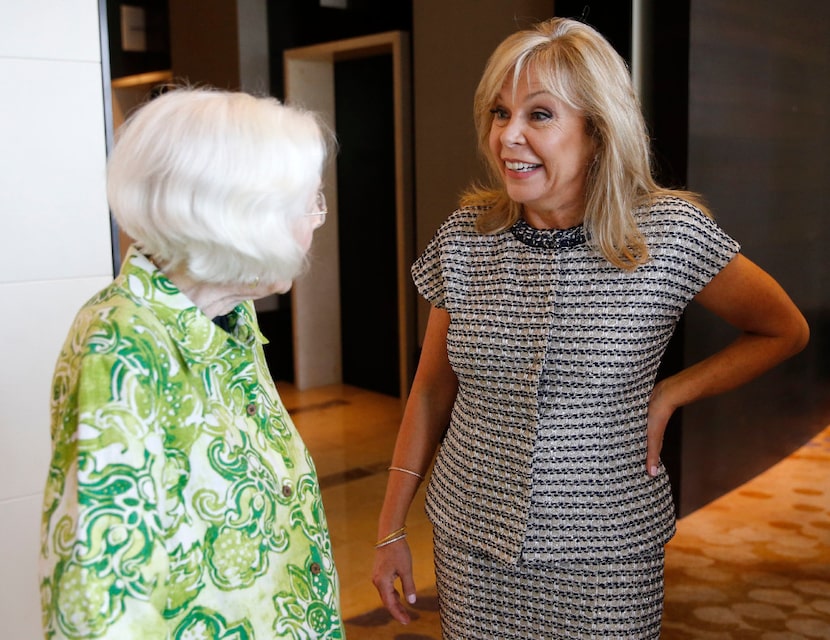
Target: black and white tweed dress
(546, 522)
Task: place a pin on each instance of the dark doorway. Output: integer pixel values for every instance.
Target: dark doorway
(364, 114)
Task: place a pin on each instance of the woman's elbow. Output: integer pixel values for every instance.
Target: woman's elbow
(797, 335)
(803, 335)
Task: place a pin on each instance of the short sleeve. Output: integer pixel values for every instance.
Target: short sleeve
(427, 272)
(688, 243)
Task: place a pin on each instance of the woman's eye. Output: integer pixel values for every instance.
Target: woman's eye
(499, 113)
(541, 116)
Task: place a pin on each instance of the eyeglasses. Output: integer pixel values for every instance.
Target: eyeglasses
(320, 210)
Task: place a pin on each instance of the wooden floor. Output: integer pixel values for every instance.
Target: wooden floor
(753, 564)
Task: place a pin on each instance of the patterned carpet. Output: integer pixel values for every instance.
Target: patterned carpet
(756, 563)
(753, 564)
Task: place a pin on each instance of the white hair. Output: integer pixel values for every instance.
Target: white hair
(216, 182)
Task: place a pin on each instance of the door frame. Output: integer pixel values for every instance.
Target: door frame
(315, 302)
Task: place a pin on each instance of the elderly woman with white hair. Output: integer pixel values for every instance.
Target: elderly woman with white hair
(181, 502)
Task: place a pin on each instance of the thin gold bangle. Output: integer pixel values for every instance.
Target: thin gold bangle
(394, 534)
(386, 542)
(402, 470)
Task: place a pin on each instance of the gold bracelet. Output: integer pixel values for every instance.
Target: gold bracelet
(394, 534)
(385, 542)
(402, 470)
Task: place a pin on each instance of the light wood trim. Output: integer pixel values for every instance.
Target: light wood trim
(149, 78)
(395, 43)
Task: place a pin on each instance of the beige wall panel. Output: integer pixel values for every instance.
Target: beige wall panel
(451, 44)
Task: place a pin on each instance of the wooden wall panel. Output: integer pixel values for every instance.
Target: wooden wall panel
(759, 85)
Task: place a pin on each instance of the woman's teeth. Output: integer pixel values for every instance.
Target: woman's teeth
(520, 166)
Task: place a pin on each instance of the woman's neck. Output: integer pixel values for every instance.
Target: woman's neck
(212, 299)
(564, 216)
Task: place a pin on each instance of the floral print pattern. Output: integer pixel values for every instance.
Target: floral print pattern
(181, 502)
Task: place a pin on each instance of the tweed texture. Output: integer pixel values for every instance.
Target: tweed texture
(480, 597)
(556, 353)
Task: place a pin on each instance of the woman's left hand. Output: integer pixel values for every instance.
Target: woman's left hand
(771, 330)
(659, 412)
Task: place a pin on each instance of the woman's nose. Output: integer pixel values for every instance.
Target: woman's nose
(512, 133)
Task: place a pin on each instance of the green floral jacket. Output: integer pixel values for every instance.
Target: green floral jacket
(181, 502)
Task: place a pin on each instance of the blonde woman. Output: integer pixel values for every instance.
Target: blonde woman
(554, 293)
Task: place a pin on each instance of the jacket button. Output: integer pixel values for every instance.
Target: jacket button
(287, 491)
(251, 409)
(315, 568)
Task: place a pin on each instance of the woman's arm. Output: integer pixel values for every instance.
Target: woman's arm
(772, 330)
(425, 418)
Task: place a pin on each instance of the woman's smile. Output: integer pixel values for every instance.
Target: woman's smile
(543, 151)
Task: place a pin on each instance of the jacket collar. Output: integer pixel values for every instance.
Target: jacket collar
(196, 334)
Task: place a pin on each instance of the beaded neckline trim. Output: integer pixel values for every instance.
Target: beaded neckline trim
(548, 238)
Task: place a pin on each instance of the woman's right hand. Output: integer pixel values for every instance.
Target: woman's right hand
(425, 419)
(393, 562)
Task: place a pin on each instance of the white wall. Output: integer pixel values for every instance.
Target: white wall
(54, 253)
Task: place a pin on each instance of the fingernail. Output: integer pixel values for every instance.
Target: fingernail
(653, 472)
(411, 598)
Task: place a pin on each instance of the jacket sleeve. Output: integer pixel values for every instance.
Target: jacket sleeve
(103, 565)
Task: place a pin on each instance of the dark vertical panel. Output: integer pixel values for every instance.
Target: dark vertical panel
(364, 112)
(665, 75)
(668, 107)
(275, 324)
(157, 55)
(758, 151)
(612, 18)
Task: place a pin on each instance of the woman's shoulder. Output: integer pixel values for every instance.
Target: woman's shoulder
(670, 205)
(668, 212)
(458, 227)
(675, 221)
(463, 218)
(115, 311)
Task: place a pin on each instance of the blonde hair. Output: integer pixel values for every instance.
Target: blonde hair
(217, 181)
(574, 63)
